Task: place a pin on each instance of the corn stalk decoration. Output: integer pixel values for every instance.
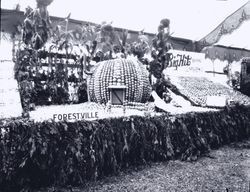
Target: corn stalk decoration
(36, 29)
(106, 40)
(63, 41)
(142, 47)
(37, 25)
(161, 46)
(99, 43)
(35, 33)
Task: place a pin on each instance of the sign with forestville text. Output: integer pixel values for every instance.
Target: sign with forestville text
(76, 116)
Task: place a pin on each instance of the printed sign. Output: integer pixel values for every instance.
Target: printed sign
(10, 102)
(216, 101)
(76, 116)
(184, 59)
(179, 60)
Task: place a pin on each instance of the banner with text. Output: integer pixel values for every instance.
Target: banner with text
(185, 61)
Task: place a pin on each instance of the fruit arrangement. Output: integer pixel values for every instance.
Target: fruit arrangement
(128, 72)
(196, 89)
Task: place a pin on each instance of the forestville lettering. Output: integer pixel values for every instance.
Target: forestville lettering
(75, 116)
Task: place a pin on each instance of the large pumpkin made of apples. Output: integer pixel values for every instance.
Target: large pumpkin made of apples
(126, 72)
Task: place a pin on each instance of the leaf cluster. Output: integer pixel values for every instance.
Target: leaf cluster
(34, 155)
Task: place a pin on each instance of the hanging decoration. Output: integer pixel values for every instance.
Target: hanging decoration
(229, 25)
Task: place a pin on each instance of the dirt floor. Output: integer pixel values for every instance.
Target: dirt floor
(225, 169)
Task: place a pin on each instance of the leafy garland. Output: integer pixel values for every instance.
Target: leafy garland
(35, 33)
(66, 153)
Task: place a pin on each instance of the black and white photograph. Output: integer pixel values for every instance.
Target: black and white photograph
(125, 96)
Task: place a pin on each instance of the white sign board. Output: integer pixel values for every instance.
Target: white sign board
(216, 101)
(185, 61)
(10, 102)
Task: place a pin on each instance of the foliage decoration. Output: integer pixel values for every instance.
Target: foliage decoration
(161, 46)
(35, 33)
(36, 27)
(71, 153)
(141, 47)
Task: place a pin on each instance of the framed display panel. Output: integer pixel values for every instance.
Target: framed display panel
(117, 94)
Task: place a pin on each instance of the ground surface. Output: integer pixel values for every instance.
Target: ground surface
(225, 169)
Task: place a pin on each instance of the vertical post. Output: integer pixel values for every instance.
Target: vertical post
(213, 68)
(88, 95)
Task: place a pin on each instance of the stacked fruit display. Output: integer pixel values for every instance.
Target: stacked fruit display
(196, 89)
(126, 72)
